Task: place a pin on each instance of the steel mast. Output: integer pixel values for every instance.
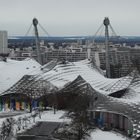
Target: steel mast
(106, 23)
(35, 23)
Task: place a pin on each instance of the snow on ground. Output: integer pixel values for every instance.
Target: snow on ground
(51, 117)
(59, 117)
(97, 134)
(13, 70)
(45, 116)
(106, 135)
(30, 121)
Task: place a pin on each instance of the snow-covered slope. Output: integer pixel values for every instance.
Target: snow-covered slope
(12, 71)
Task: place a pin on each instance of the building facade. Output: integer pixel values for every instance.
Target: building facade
(3, 42)
(122, 62)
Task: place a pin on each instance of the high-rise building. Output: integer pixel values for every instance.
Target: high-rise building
(3, 42)
(122, 61)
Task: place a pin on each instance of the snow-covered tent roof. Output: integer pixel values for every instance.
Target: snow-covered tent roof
(12, 71)
(121, 106)
(23, 77)
(103, 103)
(74, 75)
(59, 75)
(78, 87)
(31, 86)
(64, 73)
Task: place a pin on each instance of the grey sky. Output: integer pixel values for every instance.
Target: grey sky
(70, 17)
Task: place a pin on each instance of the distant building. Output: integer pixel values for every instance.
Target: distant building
(3, 42)
(122, 61)
(71, 56)
(71, 53)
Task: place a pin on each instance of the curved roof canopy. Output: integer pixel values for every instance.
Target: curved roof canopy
(59, 74)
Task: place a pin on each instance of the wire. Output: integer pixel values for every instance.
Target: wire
(101, 32)
(44, 29)
(28, 30)
(97, 32)
(27, 33)
(112, 30)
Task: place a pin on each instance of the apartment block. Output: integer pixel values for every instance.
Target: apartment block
(3, 42)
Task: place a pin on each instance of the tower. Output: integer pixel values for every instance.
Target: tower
(106, 23)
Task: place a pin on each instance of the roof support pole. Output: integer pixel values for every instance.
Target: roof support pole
(35, 23)
(106, 22)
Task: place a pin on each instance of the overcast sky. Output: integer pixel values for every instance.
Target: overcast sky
(70, 17)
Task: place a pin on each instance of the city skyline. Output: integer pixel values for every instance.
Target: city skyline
(70, 17)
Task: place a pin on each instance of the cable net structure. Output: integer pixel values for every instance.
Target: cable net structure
(57, 75)
(31, 86)
(75, 79)
(115, 102)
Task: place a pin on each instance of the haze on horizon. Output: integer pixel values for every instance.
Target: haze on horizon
(70, 17)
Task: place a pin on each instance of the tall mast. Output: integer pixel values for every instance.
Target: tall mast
(35, 23)
(106, 23)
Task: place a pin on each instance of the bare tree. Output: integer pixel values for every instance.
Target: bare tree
(76, 102)
(7, 129)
